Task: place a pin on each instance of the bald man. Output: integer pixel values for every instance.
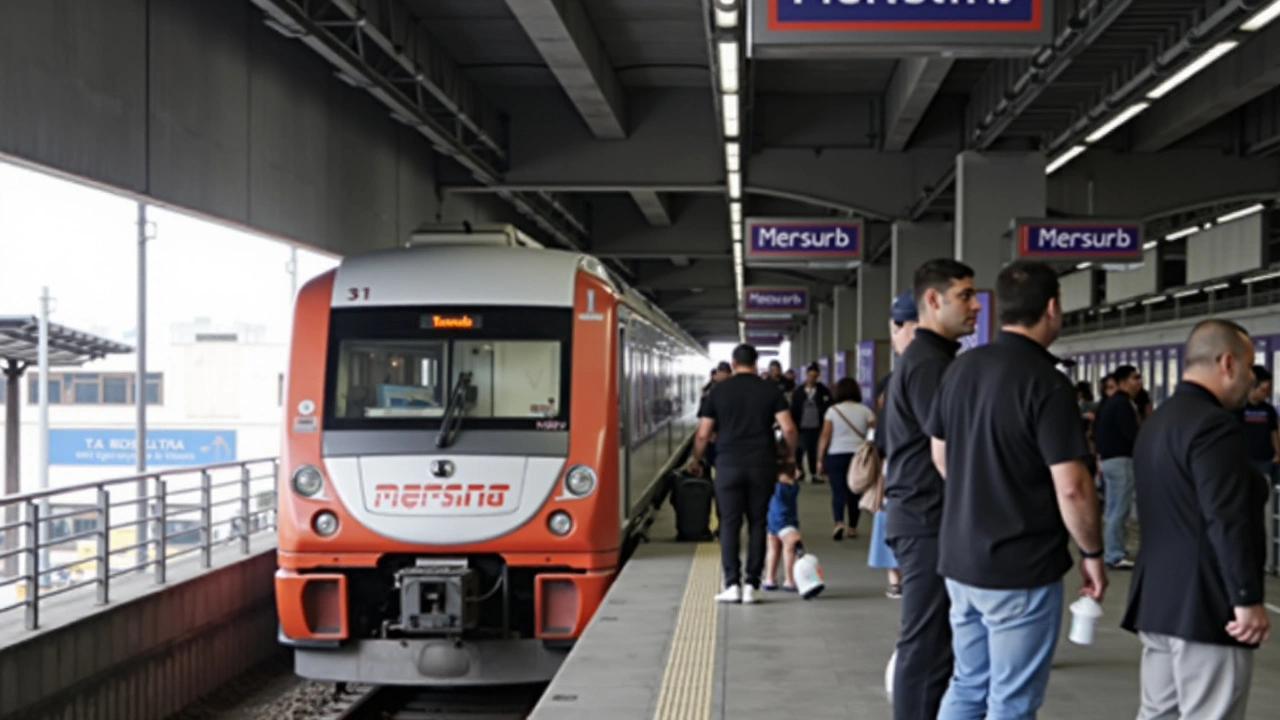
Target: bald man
(1197, 598)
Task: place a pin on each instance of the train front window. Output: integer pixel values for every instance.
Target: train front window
(400, 368)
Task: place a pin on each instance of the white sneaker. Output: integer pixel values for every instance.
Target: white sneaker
(731, 594)
(749, 595)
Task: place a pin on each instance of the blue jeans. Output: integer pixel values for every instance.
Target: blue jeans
(1004, 642)
(1117, 477)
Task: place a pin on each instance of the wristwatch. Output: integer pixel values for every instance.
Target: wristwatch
(1090, 555)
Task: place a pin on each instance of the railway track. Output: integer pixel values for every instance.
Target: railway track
(364, 702)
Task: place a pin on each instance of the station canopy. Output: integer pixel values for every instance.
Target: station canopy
(20, 343)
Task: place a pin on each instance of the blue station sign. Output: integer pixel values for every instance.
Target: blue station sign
(922, 26)
(165, 448)
(775, 300)
(803, 241)
(1074, 240)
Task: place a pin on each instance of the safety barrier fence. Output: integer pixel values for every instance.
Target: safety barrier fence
(59, 540)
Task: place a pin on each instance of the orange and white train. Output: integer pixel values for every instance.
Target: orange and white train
(474, 437)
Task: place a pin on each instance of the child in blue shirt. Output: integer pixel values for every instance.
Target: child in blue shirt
(782, 523)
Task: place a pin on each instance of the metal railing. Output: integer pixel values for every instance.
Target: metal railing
(59, 540)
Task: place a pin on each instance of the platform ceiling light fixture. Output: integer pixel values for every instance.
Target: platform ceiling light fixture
(1242, 213)
(1063, 159)
(732, 156)
(729, 66)
(730, 105)
(1115, 122)
(1219, 286)
(735, 213)
(1189, 71)
(1184, 232)
(1260, 278)
(735, 185)
(726, 13)
(1187, 293)
(736, 231)
(1150, 244)
(1263, 18)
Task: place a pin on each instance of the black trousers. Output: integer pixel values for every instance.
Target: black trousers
(743, 491)
(808, 448)
(923, 668)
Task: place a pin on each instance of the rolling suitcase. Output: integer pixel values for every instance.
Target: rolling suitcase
(692, 497)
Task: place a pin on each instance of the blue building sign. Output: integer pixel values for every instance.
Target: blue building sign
(165, 448)
(925, 26)
(1076, 240)
(783, 241)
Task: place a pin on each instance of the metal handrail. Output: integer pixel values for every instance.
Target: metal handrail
(30, 540)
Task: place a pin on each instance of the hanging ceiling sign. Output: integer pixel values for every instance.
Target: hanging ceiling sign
(804, 242)
(765, 338)
(1075, 240)
(760, 301)
(975, 28)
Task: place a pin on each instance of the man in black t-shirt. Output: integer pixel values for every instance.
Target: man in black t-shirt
(1262, 441)
(1007, 440)
(947, 309)
(743, 411)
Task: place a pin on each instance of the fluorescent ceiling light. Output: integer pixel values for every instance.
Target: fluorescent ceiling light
(737, 252)
(1154, 300)
(735, 212)
(1219, 286)
(1192, 68)
(1260, 278)
(1117, 121)
(1150, 244)
(1246, 212)
(1187, 293)
(732, 157)
(736, 231)
(1063, 159)
(735, 185)
(729, 66)
(1182, 233)
(727, 18)
(1262, 19)
(730, 108)
(1084, 266)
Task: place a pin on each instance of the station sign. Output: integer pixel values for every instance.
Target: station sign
(840, 365)
(804, 242)
(1075, 240)
(764, 337)
(983, 329)
(976, 28)
(164, 448)
(866, 371)
(824, 370)
(773, 300)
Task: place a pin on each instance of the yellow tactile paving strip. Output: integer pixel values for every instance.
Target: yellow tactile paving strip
(687, 682)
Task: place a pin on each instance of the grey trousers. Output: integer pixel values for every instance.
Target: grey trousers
(1184, 680)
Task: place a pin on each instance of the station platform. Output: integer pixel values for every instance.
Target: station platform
(661, 648)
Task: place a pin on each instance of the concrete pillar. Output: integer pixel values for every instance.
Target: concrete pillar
(844, 320)
(991, 190)
(874, 300)
(826, 330)
(914, 244)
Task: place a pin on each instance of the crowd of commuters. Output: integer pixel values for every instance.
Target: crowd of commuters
(995, 465)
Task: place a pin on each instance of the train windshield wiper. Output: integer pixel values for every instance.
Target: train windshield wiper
(459, 401)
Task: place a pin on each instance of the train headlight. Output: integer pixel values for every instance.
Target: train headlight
(560, 523)
(307, 481)
(580, 480)
(325, 523)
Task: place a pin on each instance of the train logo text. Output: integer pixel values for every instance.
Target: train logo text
(439, 496)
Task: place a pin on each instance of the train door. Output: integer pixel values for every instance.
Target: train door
(624, 423)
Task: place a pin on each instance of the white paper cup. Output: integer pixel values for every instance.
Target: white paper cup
(1085, 613)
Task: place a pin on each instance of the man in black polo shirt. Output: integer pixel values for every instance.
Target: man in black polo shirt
(1115, 431)
(1007, 439)
(743, 410)
(947, 305)
(1197, 599)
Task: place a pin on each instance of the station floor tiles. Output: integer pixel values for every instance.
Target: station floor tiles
(660, 648)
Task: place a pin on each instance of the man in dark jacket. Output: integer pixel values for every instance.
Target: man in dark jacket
(1115, 430)
(809, 404)
(1197, 597)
